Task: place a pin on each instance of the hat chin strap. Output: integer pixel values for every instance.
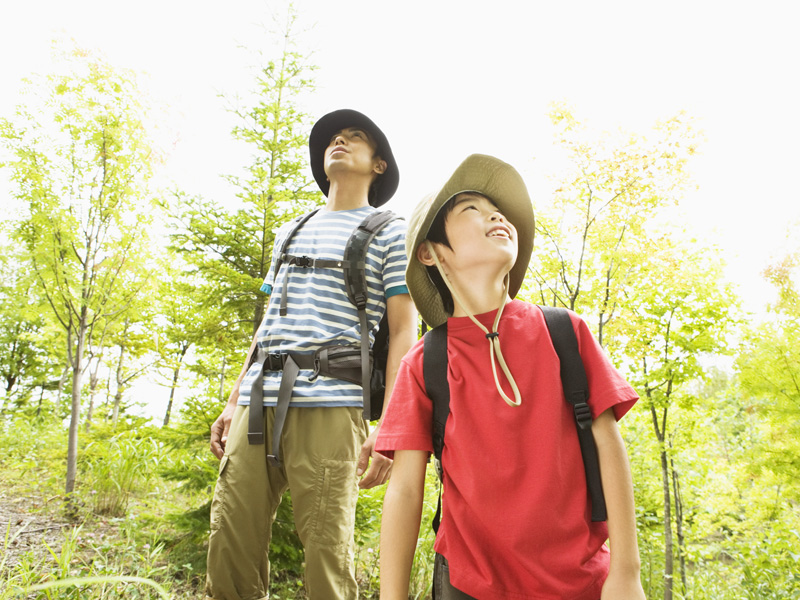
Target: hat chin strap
(492, 336)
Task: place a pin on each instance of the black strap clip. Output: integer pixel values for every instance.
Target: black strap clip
(275, 361)
(583, 415)
(304, 261)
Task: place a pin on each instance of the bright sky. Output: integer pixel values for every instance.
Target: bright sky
(448, 78)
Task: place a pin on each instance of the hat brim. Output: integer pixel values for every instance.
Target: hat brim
(321, 135)
(499, 182)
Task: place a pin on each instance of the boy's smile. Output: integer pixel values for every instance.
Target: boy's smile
(481, 243)
(473, 214)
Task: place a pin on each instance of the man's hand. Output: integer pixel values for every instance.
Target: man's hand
(219, 431)
(379, 468)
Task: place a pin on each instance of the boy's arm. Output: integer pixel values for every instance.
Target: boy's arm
(402, 511)
(220, 428)
(402, 317)
(623, 581)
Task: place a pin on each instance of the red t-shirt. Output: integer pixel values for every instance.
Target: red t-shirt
(516, 519)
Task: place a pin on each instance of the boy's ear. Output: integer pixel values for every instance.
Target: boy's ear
(424, 254)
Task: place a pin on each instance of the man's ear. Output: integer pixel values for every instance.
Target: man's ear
(380, 167)
(424, 254)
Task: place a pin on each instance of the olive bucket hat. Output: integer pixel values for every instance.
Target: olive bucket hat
(321, 135)
(489, 177)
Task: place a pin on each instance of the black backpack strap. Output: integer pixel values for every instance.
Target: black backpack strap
(355, 279)
(434, 372)
(576, 391)
(284, 257)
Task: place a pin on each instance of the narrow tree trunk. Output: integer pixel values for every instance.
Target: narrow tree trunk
(39, 406)
(222, 381)
(668, 550)
(668, 561)
(120, 386)
(94, 377)
(175, 375)
(61, 382)
(676, 490)
(72, 443)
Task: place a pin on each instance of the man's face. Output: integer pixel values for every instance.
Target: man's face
(352, 150)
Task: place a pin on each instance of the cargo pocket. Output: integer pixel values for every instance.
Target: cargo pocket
(338, 493)
(220, 492)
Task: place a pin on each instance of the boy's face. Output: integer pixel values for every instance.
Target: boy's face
(352, 150)
(479, 236)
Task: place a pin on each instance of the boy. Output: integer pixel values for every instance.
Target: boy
(516, 516)
(324, 444)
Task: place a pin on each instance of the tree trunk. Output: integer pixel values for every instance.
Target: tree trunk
(75, 415)
(39, 406)
(668, 561)
(676, 490)
(61, 382)
(94, 377)
(175, 375)
(120, 386)
(222, 382)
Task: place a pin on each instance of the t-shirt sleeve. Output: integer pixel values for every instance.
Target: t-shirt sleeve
(408, 422)
(393, 238)
(607, 387)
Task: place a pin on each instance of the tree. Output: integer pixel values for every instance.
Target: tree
(80, 163)
(593, 236)
(184, 320)
(768, 367)
(233, 250)
(680, 311)
(26, 360)
(656, 300)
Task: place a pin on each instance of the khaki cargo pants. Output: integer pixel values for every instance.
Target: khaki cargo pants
(319, 451)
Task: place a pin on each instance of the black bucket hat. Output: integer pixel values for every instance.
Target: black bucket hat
(337, 120)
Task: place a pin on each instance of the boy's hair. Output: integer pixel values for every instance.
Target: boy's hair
(437, 233)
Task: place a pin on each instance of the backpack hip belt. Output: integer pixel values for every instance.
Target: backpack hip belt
(340, 362)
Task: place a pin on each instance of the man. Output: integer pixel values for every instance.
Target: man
(324, 445)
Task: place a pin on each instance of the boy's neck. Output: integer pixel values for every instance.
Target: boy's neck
(480, 294)
(347, 194)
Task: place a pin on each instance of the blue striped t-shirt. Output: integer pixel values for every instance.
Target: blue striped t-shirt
(318, 310)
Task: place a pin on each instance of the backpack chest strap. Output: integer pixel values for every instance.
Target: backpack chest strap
(306, 262)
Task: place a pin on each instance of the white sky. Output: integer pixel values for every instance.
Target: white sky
(445, 79)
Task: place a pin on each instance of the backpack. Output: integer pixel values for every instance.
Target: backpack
(363, 365)
(573, 380)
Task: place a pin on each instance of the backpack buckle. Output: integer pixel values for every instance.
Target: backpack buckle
(304, 261)
(275, 361)
(583, 415)
(360, 300)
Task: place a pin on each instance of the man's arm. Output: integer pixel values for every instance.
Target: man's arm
(220, 428)
(623, 582)
(402, 511)
(402, 318)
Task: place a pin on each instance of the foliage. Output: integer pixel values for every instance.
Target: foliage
(80, 163)
(233, 250)
(117, 466)
(593, 235)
